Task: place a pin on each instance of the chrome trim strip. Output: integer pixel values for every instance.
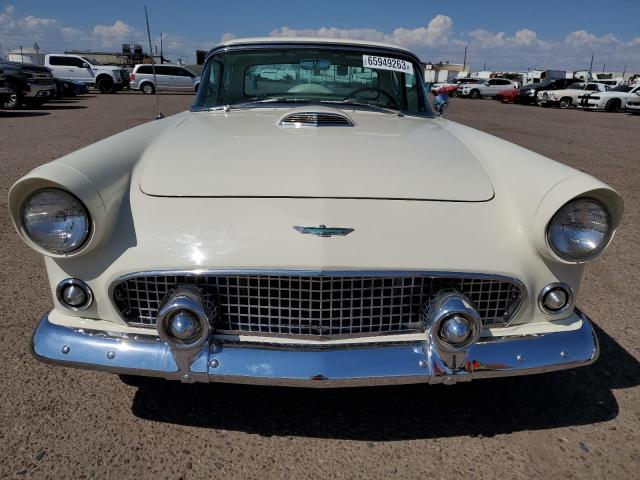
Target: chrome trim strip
(377, 365)
(288, 120)
(311, 44)
(74, 282)
(571, 298)
(329, 273)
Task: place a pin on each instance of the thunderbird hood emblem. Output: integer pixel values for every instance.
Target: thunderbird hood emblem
(323, 231)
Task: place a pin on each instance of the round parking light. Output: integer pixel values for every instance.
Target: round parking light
(74, 294)
(555, 298)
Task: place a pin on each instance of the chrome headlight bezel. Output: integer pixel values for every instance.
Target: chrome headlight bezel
(85, 232)
(604, 242)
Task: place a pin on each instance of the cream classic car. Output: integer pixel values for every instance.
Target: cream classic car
(310, 221)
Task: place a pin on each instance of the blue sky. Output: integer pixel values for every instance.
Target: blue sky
(505, 34)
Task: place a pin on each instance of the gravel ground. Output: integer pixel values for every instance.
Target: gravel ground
(63, 423)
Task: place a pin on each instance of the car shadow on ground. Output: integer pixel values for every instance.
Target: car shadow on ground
(21, 113)
(58, 106)
(487, 407)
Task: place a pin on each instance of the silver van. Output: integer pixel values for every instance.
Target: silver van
(169, 78)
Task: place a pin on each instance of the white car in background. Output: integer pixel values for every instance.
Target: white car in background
(568, 97)
(611, 101)
(633, 106)
(169, 78)
(490, 88)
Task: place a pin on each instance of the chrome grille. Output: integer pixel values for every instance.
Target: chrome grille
(317, 305)
(315, 119)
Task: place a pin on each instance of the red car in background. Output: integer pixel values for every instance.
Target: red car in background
(507, 96)
(447, 88)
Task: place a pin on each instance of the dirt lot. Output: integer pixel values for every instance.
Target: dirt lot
(62, 423)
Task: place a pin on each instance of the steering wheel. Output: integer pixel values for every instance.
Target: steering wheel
(391, 103)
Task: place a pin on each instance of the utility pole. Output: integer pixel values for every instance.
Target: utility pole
(464, 62)
(604, 66)
(623, 72)
(590, 68)
(21, 56)
(37, 49)
(156, 47)
(484, 68)
(161, 52)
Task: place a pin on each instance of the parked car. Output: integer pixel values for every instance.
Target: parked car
(507, 96)
(4, 90)
(490, 88)
(293, 229)
(69, 88)
(449, 89)
(452, 86)
(611, 101)
(633, 106)
(568, 97)
(28, 84)
(107, 78)
(174, 78)
(534, 93)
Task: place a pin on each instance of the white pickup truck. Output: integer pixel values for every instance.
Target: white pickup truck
(107, 78)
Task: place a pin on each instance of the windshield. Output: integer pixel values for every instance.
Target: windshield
(576, 86)
(312, 75)
(92, 61)
(622, 88)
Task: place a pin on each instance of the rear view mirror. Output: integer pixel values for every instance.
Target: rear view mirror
(315, 64)
(85, 65)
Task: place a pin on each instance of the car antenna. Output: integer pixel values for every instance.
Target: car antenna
(159, 114)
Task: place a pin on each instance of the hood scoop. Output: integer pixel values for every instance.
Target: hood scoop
(315, 119)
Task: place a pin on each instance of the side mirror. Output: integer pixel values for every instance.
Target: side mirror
(85, 65)
(441, 103)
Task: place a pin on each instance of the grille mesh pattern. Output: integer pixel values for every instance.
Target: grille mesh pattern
(316, 305)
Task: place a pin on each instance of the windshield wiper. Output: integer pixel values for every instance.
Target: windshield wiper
(243, 105)
(235, 106)
(353, 103)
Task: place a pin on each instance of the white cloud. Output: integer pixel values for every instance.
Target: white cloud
(116, 33)
(355, 33)
(225, 37)
(582, 38)
(437, 32)
(6, 14)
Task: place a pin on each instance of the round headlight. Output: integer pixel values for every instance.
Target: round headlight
(580, 229)
(55, 220)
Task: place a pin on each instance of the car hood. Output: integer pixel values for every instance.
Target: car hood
(245, 153)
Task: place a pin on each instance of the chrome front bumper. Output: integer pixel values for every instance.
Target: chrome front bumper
(378, 364)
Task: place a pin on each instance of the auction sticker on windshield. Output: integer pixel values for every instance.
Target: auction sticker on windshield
(386, 63)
